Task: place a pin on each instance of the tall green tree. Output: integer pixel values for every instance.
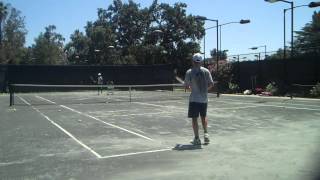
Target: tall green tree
(48, 47)
(125, 33)
(128, 24)
(308, 39)
(3, 14)
(100, 40)
(278, 55)
(222, 54)
(78, 48)
(12, 36)
(180, 32)
(157, 34)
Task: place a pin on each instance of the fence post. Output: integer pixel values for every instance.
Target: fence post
(130, 92)
(11, 95)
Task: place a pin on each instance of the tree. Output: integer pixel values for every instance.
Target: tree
(78, 48)
(13, 36)
(125, 33)
(308, 39)
(101, 44)
(278, 55)
(48, 47)
(157, 34)
(27, 57)
(180, 32)
(101, 40)
(3, 14)
(129, 25)
(222, 54)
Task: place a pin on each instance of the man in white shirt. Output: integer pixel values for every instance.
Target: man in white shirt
(100, 82)
(199, 80)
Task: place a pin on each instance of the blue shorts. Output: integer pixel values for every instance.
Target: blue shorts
(196, 108)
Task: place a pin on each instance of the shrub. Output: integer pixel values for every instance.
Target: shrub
(315, 91)
(234, 88)
(272, 88)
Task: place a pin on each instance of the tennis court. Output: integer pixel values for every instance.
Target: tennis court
(83, 135)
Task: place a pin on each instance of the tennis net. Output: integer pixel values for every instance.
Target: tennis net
(301, 90)
(40, 94)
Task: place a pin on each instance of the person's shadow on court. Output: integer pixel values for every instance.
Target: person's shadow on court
(185, 147)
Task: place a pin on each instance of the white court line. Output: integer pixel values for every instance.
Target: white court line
(109, 124)
(26, 102)
(294, 104)
(46, 100)
(157, 105)
(97, 119)
(23, 161)
(136, 153)
(82, 144)
(237, 102)
(270, 105)
(117, 111)
(81, 99)
(179, 102)
(140, 131)
(288, 107)
(270, 97)
(139, 114)
(62, 129)
(243, 107)
(184, 109)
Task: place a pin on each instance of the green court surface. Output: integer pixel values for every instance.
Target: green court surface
(60, 136)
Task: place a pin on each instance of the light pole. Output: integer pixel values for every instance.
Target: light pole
(284, 25)
(204, 49)
(265, 49)
(217, 24)
(242, 21)
(238, 68)
(258, 56)
(234, 58)
(164, 53)
(158, 33)
(310, 5)
(97, 51)
(112, 56)
(217, 55)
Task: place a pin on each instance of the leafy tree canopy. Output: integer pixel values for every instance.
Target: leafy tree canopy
(48, 47)
(308, 39)
(12, 33)
(125, 33)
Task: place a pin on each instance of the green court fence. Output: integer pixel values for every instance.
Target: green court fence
(84, 75)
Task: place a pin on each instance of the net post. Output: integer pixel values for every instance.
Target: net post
(11, 95)
(130, 92)
(291, 91)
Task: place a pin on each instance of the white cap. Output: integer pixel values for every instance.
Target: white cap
(197, 57)
(99, 74)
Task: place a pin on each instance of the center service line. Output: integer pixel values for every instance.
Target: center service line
(99, 120)
(136, 153)
(62, 129)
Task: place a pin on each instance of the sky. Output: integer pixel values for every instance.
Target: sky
(265, 28)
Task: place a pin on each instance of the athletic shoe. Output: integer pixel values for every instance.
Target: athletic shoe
(206, 138)
(196, 141)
